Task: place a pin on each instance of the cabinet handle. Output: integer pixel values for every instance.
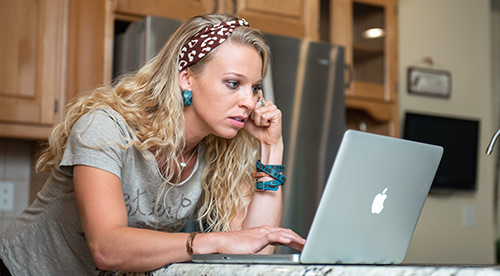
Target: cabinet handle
(216, 6)
(349, 71)
(235, 7)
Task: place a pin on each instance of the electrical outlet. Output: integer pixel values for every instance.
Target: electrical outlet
(468, 216)
(6, 196)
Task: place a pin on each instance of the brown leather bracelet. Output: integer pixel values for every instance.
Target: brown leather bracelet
(259, 175)
(189, 242)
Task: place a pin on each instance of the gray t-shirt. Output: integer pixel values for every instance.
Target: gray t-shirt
(48, 239)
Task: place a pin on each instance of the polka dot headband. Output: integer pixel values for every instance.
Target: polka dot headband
(207, 40)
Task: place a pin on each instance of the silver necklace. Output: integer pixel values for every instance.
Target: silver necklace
(184, 164)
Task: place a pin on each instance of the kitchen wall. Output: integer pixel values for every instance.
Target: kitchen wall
(15, 167)
(457, 35)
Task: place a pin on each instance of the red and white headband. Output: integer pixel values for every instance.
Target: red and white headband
(207, 40)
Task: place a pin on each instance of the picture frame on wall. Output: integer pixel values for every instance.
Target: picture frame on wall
(429, 82)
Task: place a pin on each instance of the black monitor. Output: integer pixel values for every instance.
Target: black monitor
(458, 137)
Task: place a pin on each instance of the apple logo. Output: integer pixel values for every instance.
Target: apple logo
(378, 202)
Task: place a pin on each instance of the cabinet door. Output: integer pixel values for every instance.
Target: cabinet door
(373, 54)
(296, 18)
(31, 65)
(177, 9)
(371, 60)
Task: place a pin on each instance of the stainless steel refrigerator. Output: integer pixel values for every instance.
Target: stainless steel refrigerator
(306, 82)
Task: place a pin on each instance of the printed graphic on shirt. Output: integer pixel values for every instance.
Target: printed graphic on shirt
(171, 214)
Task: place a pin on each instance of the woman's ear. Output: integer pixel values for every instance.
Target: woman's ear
(184, 79)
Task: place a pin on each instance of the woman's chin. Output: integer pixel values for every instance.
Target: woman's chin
(228, 134)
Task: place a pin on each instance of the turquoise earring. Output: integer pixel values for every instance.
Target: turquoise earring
(187, 97)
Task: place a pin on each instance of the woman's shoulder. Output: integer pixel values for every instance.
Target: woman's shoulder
(102, 115)
(102, 121)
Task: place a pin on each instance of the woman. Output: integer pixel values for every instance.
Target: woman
(180, 139)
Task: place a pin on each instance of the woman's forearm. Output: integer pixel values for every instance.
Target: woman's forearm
(137, 250)
(265, 207)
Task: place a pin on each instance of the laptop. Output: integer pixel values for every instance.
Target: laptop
(370, 205)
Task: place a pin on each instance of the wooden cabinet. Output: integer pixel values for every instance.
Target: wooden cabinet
(90, 45)
(31, 66)
(296, 18)
(177, 9)
(371, 62)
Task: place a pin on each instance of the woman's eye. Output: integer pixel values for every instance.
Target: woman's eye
(233, 84)
(256, 89)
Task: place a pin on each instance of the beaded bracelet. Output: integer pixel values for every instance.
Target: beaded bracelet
(272, 171)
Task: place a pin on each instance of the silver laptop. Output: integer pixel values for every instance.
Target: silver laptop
(369, 208)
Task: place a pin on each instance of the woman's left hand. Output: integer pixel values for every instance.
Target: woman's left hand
(265, 123)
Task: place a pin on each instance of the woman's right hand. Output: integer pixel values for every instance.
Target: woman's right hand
(247, 241)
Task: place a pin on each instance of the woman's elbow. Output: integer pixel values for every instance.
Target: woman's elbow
(104, 257)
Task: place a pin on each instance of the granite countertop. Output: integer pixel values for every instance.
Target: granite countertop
(319, 270)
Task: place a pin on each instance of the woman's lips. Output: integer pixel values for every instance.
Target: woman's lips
(238, 122)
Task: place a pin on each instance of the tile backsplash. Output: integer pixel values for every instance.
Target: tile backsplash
(15, 167)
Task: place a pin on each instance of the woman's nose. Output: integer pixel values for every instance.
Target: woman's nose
(248, 99)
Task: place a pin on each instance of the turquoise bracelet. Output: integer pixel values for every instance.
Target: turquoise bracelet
(274, 172)
(272, 185)
(278, 168)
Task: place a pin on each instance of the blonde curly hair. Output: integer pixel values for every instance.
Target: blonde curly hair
(150, 102)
